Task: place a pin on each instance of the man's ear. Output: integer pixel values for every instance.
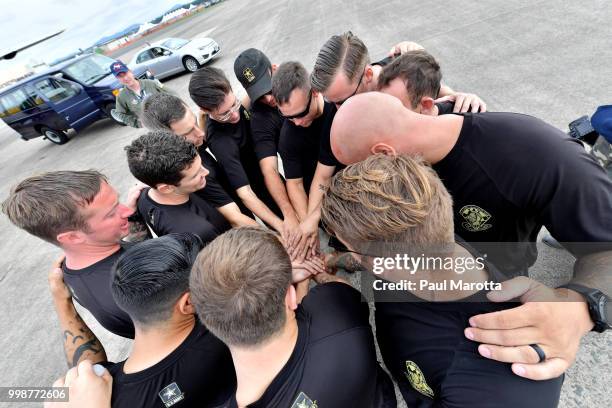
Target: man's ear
(368, 77)
(427, 105)
(291, 298)
(165, 188)
(368, 74)
(384, 149)
(70, 237)
(184, 304)
(274, 68)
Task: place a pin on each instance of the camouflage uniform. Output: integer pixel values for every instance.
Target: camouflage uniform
(602, 151)
(128, 102)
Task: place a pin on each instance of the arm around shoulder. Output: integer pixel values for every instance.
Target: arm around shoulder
(80, 343)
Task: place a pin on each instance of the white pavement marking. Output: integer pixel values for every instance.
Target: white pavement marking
(205, 33)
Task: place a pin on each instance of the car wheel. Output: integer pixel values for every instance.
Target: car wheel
(54, 136)
(109, 110)
(191, 64)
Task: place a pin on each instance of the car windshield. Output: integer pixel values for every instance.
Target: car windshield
(90, 69)
(174, 43)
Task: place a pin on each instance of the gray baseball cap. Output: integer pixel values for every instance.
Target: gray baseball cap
(254, 71)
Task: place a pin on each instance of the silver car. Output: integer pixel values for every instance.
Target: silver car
(173, 55)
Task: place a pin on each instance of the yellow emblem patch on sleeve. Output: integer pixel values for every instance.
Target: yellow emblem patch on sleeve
(417, 379)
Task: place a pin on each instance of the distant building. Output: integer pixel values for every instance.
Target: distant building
(14, 74)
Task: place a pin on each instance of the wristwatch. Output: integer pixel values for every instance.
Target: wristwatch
(600, 306)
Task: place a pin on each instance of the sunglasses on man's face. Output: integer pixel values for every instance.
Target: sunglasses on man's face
(304, 112)
(351, 95)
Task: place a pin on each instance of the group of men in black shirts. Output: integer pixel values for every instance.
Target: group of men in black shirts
(261, 337)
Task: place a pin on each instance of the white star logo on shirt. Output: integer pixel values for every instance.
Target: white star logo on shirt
(171, 394)
(303, 401)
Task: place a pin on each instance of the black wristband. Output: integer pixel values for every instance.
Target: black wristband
(599, 305)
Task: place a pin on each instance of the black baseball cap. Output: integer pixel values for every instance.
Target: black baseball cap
(254, 71)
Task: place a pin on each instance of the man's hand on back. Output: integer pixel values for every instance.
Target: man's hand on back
(404, 47)
(59, 290)
(464, 102)
(133, 194)
(554, 319)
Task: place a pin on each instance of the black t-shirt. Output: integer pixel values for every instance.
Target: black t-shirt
(91, 288)
(234, 148)
(326, 156)
(198, 373)
(384, 62)
(425, 349)
(299, 146)
(509, 174)
(266, 124)
(445, 108)
(195, 216)
(216, 191)
(334, 362)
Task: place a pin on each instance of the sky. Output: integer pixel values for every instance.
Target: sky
(85, 22)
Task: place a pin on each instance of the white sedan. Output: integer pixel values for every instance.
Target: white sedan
(174, 55)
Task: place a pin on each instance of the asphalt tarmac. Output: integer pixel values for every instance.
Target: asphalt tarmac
(548, 58)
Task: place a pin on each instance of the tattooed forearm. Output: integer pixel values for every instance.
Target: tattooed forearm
(92, 345)
(349, 263)
(74, 338)
(79, 341)
(322, 188)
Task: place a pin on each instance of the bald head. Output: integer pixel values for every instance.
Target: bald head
(366, 121)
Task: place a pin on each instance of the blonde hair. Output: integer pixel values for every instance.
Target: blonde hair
(238, 285)
(389, 204)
